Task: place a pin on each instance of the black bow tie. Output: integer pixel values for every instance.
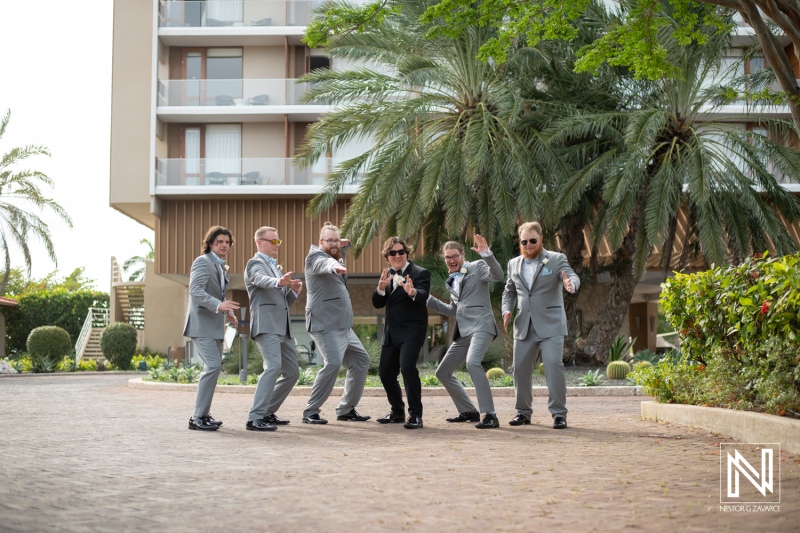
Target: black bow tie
(392, 272)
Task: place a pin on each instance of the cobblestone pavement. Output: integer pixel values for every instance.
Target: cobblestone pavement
(87, 453)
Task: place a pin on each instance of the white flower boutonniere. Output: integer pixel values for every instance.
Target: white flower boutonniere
(545, 261)
(280, 268)
(463, 270)
(225, 267)
(398, 279)
(341, 260)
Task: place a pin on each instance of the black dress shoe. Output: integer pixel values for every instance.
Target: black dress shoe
(314, 419)
(198, 422)
(469, 416)
(519, 420)
(275, 421)
(210, 420)
(559, 422)
(260, 424)
(392, 418)
(489, 421)
(414, 422)
(353, 416)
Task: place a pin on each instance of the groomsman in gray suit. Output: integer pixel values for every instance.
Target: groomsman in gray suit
(329, 320)
(475, 328)
(205, 319)
(271, 294)
(535, 280)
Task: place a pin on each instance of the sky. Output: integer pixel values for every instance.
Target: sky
(55, 77)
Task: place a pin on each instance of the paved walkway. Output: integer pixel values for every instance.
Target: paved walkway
(88, 453)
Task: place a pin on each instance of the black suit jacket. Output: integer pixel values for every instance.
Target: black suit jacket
(406, 319)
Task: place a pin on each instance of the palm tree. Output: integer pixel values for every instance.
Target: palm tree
(140, 262)
(17, 189)
(446, 155)
(661, 155)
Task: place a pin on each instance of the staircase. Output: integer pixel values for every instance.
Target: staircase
(88, 344)
(129, 296)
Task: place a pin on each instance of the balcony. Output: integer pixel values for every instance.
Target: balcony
(241, 176)
(252, 100)
(233, 22)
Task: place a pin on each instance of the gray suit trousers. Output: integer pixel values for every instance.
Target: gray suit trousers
(339, 347)
(470, 349)
(210, 351)
(280, 359)
(526, 352)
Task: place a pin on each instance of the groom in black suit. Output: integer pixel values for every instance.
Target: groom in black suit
(403, 290)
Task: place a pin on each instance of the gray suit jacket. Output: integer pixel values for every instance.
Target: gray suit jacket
(269, 304)
(543, 302)
(327, 300)
(205, 295)
(472, 307)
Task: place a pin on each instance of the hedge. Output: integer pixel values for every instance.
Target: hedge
(740, 336)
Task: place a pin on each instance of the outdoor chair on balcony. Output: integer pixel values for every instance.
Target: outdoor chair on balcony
(217, 178)
(262, 22)
(261, 99)
(224, 99)
(251, 178)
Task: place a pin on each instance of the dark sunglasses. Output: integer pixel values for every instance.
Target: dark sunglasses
(532, 241)
(397, 252)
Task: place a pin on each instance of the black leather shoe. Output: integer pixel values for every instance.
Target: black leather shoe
(519, 420)
(260, 424)
(392, 418)
(198, 422)
(414, 422)
(353, 416)
(314, 419)
(210, 420)
(469, 416)
(275, 421)
(559, 422)
(489, 421)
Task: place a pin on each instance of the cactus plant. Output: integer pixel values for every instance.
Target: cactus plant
(495, 373)
(540, 369)
(617, 369)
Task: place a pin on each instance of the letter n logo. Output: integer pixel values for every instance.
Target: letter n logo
(737, 465)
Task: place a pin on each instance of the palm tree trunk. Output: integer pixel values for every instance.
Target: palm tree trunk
(572, 246)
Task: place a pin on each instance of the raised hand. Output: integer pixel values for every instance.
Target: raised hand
(340, 269)
(285, 280)
(344, 242)
(384, 281)
(567, 282)
(296, 285)
(506, 320)
(408, 286)
(480, 244)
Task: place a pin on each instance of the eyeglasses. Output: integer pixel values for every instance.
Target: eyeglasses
(332, 241)
(397, 252)
(452, 257)
(273, 242)
(525, 242)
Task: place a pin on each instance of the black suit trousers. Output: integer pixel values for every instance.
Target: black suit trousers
(401, 357)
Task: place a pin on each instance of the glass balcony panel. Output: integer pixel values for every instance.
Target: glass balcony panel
(195, 172)
(229, 92)
(221, 13)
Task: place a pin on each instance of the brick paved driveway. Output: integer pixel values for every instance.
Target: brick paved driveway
(87, 453)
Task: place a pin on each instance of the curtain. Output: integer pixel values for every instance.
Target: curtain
(192, 151)
(224, 148)
(224, 10)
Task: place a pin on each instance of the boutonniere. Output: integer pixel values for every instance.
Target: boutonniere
(398, 279)
(463, 270)
(279, 267)
(225, 267)
(545, 261)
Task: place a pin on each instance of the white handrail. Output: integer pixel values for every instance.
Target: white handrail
(96, 317)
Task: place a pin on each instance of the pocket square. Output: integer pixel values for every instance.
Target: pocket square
(546, 271)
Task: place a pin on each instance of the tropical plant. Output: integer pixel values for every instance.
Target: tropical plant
(255, 363)
(139, 262)
(47, 345)
(621, 348)
(306, 377)
(430, 380)
(646, 355)
(504, 381)
(18, 188)
(591, 379)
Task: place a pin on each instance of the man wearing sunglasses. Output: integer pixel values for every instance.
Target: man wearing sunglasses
(329, 320)
(535, 280)
(402, 290)
(475, 328)
(271, 294)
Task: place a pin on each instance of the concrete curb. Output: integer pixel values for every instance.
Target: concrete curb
(744, 426)
(139, 383)
(79, 373)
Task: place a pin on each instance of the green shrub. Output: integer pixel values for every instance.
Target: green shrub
(505, 381)
(739, 338)
(495, 373)
(617, 369)
(646, 355)
(255, 363)
(430, 380)
(373, 348)
(306, 377)
(591, 379)
(118, 344)
(47, 345)
(540, 369)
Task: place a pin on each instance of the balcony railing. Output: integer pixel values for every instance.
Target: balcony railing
(230, 92)
(232, 172)
(220, 13)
